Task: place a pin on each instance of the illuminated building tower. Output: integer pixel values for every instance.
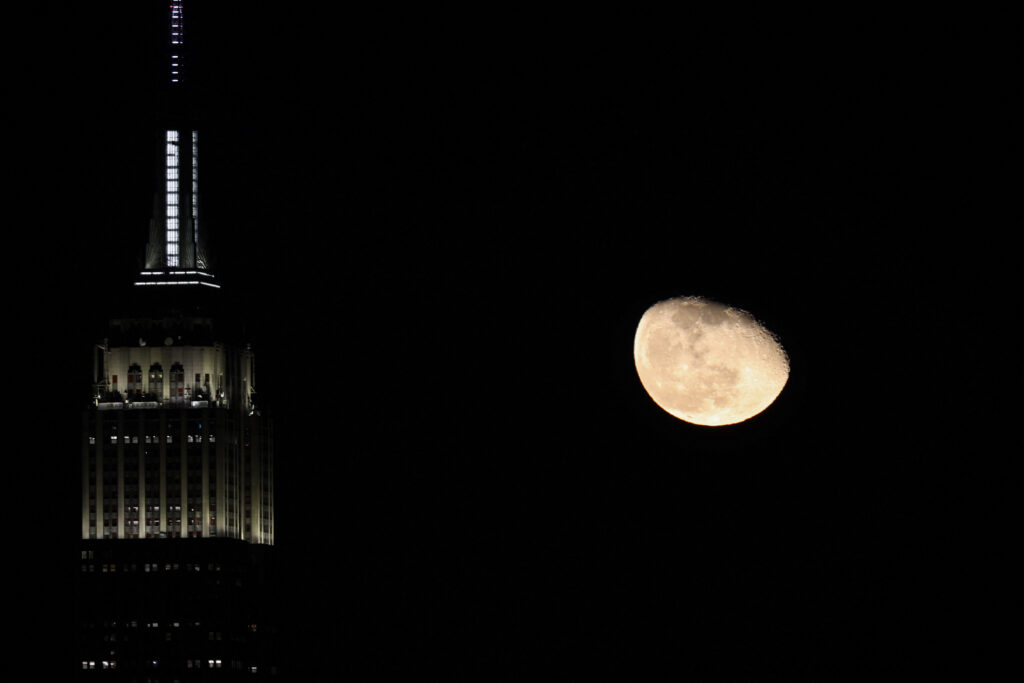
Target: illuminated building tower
(175, 253)
(177, 512)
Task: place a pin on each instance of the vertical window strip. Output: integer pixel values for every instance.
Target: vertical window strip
(195, 187)
(172, 199)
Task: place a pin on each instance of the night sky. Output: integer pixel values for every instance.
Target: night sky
(443, 230)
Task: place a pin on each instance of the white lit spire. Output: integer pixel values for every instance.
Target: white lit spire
(175, 253)
(177, 40)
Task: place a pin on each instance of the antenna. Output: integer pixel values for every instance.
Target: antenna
(177, 36)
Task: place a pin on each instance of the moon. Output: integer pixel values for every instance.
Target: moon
(707, 363)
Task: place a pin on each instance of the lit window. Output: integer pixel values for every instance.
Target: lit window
(156, 375)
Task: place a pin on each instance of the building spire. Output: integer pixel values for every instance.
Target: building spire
(177, 41)
(176, 253)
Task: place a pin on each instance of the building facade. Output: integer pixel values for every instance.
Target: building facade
(177, 570)
(174, 444)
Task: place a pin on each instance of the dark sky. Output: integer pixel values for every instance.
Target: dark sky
(443, 231)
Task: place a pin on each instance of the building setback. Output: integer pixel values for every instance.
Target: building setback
(178, 447)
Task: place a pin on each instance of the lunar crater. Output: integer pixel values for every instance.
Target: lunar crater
(707, 363)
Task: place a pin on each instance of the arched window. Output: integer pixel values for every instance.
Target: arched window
(156, 381)
(177, 384)
(134, 387)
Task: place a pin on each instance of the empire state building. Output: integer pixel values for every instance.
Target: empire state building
(177, 488)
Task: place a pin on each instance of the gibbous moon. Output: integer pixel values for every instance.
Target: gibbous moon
(707, 363)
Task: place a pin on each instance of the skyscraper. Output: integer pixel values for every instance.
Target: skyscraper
(177, 490)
